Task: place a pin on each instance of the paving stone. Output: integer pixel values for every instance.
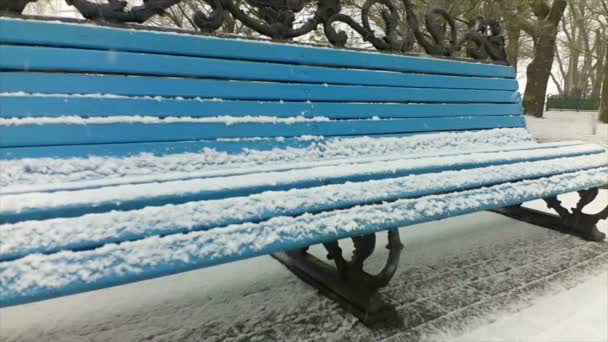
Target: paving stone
(409, 317)
(599, 263)
(459, 321)
(538, 289)
(458, 298)
(416, 274)
(408, 336)
(507, 303)
(400, 295)
(495, 284)
(526, 274)
(427, 310)
(313, 326)
(480, 271)
(437, 285)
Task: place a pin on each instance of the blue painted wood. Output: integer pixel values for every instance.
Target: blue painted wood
(35, 106)
(10, 296)
(167, 148)
(312, 208)
(73, 134)
(71, 210)
(300, 164)
(241, 90)
(27, 32)
(156, 148)
(27, 58)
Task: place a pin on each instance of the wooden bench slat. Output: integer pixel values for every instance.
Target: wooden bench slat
(94, 231)
(37, 206)
(301, 148)
(27, 58)
(87, 173)
(36, 106)
(239, 90)
(105, 38)
(75, 134)
(73, 272)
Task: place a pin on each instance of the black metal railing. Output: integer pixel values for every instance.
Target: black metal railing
(481, 38)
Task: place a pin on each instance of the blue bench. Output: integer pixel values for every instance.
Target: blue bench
(129, 154)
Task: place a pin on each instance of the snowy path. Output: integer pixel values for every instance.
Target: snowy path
(592, 321)
(569, 125)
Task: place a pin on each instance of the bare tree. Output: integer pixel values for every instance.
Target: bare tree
(581, 47)
(544, 32)
(14, 6)
(604, 98)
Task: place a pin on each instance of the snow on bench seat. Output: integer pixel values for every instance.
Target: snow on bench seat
(94, 230)
(61, 164)
(43, 205)
(39, 276)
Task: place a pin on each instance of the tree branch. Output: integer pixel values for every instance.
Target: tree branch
(557, 11)
(540, 8)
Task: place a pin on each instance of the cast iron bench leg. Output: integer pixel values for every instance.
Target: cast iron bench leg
(572, 221)
(347, 282)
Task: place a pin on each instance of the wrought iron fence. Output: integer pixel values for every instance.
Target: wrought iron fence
(438, 35)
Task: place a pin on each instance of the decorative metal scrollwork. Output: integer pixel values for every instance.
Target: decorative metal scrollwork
(275, 18)
(364, 247)
(393, 40)
(279, 20)
(116, 11)
(487, 40)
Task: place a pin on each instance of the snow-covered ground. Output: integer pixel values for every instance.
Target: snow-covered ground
(577, 314)
(569, 125)
(478, 277)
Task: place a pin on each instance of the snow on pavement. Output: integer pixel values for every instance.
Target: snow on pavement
(568, 125)
(577, 314)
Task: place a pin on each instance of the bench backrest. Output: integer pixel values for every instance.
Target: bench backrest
(82, 87)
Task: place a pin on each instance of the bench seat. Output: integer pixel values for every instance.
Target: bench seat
(79, 235)
(127, 155)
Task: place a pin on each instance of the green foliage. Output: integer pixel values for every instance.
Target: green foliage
(557, 102)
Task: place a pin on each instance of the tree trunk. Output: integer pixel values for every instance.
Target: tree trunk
(512, 49)
(601, 47)
(604, 101)
(539, 70)
(538, 74)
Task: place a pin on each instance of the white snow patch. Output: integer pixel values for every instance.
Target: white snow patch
(116, 194)
(577, 314)
(36, 272)
(137, 119)
(32, 236)
(567, 125)
(48, 171)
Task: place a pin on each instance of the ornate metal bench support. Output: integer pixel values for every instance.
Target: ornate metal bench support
(573, 221)
(347, 282)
